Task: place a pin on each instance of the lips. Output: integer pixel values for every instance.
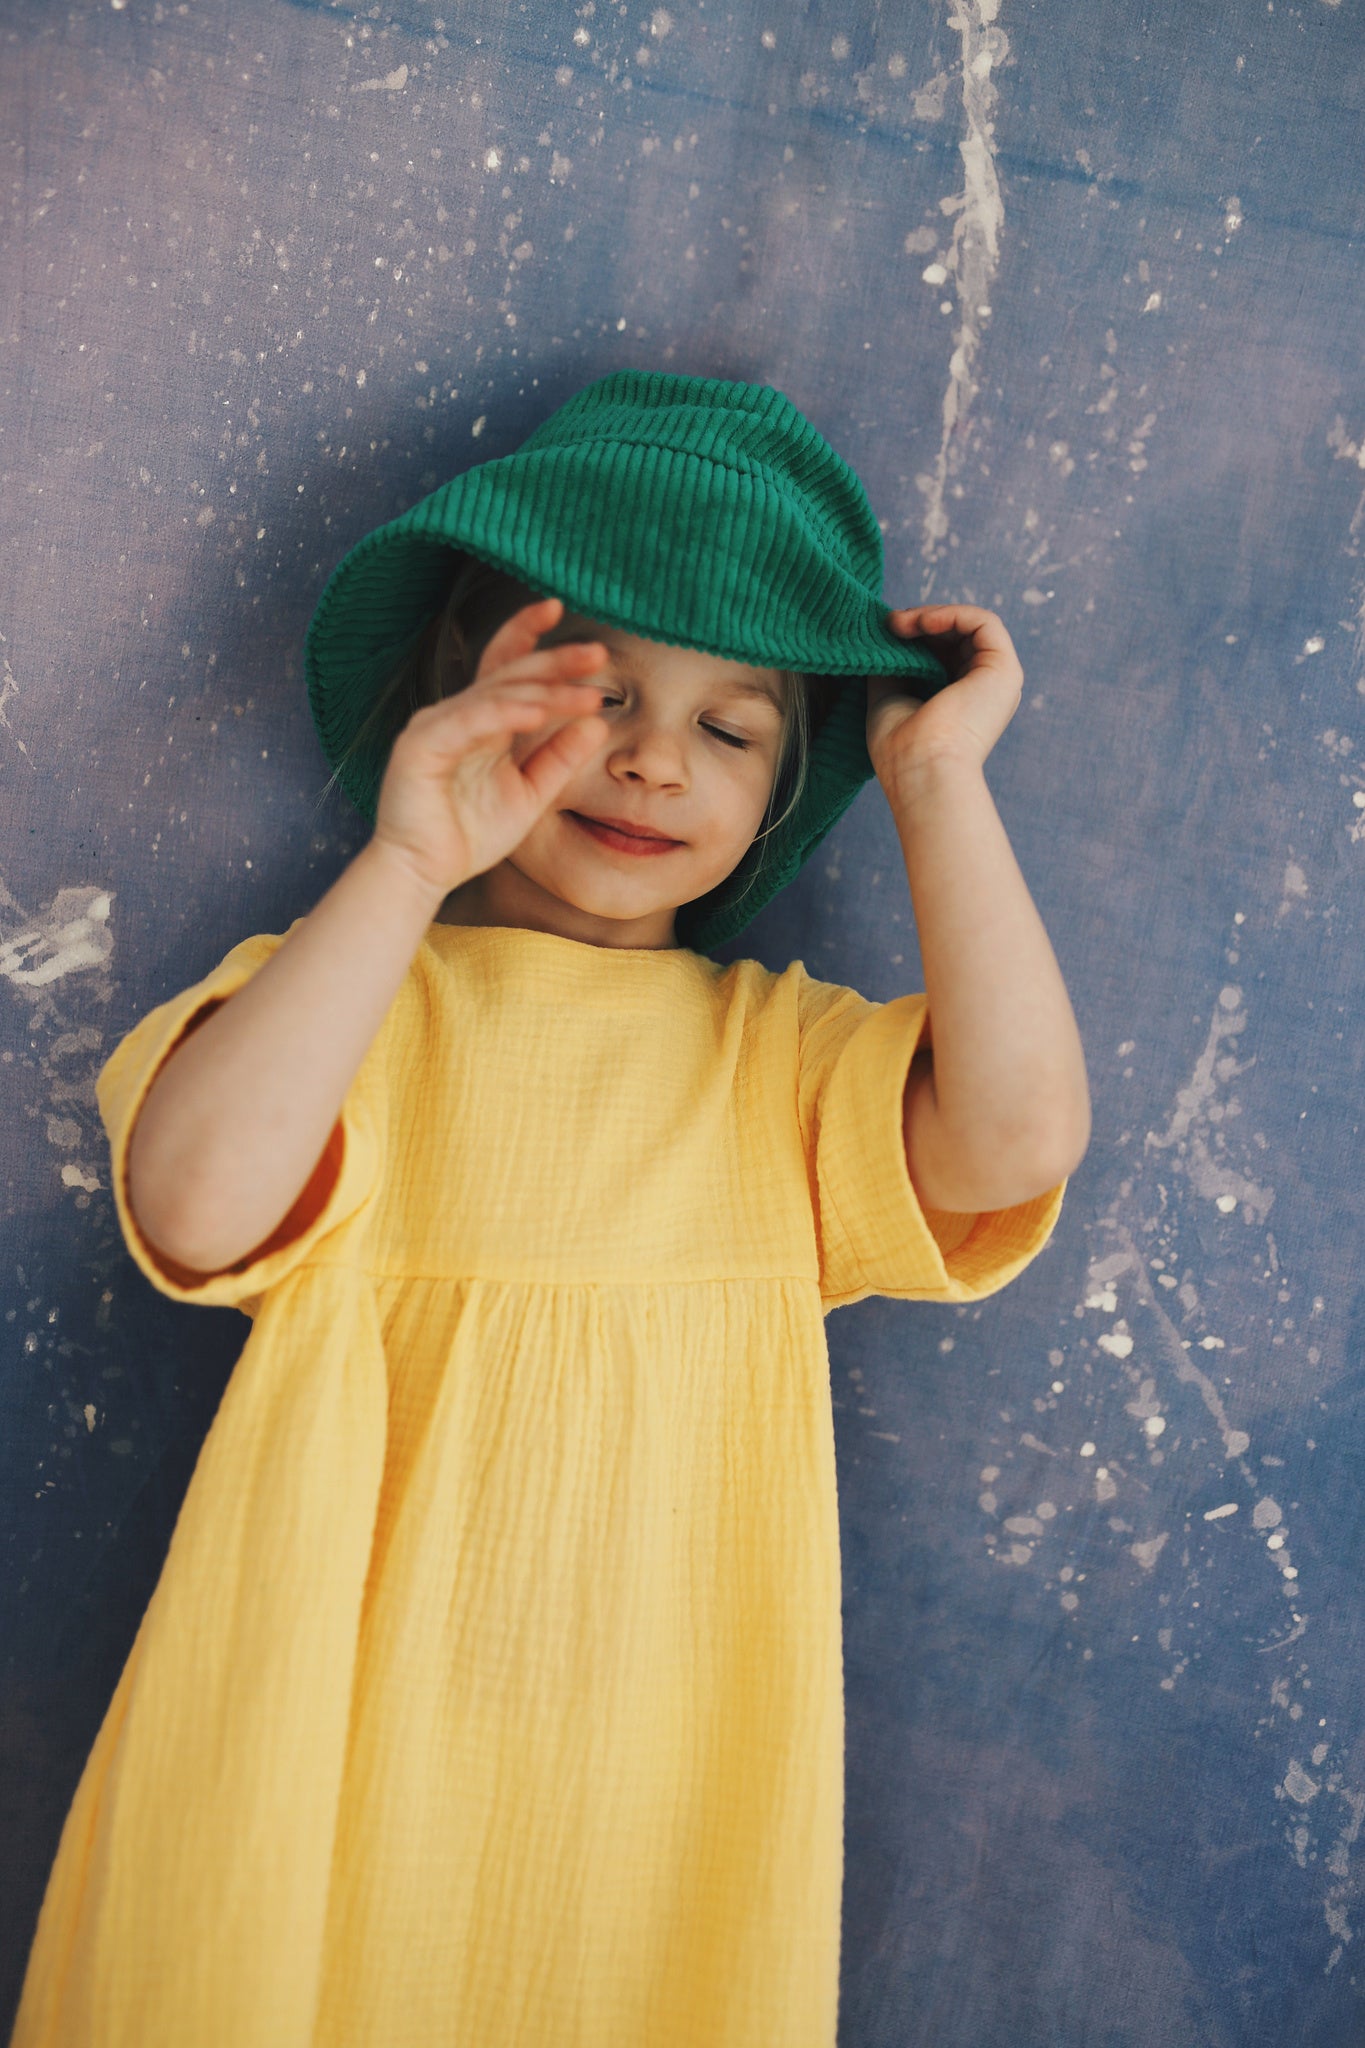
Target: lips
(632, 831)
(625, 840)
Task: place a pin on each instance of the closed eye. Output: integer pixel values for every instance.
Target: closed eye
(732, 738)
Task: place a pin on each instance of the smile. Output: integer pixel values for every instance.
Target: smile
(621, 842)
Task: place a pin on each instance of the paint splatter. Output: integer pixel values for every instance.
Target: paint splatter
(394, 81)
(973, 256)
(38, 956)
(1194, 1132)
(9, 688)
(73, 934)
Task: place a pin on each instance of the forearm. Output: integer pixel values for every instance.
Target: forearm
(238, 1118)
(1004, 1106)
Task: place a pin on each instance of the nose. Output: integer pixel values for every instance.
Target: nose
(647, 747)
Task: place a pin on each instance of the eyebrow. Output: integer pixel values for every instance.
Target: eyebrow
(739, 686)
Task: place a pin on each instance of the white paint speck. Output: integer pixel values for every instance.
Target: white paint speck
(1345, 449)
(1229, 1507)
(1087, 1449)
(660, 22)
(934, 273)
(1299, 1785)
(394, 81)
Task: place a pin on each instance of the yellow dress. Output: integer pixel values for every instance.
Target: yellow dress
(491, 1692)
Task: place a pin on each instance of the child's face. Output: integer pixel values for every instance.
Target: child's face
(672, 760)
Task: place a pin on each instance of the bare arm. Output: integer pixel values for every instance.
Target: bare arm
(999, 1111)
(238, 1119)
(242, 1115)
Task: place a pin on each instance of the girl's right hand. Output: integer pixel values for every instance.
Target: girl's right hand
(453, 802)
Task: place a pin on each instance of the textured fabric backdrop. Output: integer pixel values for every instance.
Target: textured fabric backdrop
(1077, 289)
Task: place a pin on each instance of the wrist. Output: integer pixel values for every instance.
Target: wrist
(928, 776)
(401, 879)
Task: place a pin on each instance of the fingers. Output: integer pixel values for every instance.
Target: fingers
(963, 619)
(520, 634)
(981, 636)
(576, 658)
(548, 766)
(464, 720)
(955, 621)
(517, 640)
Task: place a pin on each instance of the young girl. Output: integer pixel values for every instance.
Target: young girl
(491, 1692)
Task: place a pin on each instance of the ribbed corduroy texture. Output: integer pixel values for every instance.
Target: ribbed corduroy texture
(491, 1691)
(693, 510)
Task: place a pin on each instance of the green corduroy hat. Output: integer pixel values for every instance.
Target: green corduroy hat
(691, 510)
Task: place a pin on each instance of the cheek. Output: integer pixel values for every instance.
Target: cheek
(768, 778)
(741, 785)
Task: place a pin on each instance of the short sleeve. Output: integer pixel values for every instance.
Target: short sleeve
(342, 1182)
(875, 1236)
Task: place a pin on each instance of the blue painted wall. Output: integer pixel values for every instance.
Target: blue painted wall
(1077, 289)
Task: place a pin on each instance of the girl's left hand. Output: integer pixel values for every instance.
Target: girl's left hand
(963, 720)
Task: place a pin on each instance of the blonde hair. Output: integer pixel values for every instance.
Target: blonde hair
(446, 658)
